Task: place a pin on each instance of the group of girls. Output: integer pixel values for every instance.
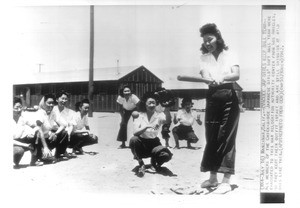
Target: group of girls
(58, 127)
(49, 129)
(219, 69)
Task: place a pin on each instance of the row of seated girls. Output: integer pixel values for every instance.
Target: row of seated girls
(49, 129)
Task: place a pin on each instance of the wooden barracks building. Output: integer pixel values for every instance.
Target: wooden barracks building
(107, 83)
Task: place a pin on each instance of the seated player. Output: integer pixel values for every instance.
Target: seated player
(24, 135)
(186, 118)
(53, 131)
(81, 135)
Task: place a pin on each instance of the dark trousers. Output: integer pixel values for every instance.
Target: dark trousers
(60, 144)
(18, 154)
(221, 124)
(122, 135)
(183, 132)
(145, 148)
(79, 140)
(19, 151)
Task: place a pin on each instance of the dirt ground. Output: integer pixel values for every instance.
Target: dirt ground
(108, 174)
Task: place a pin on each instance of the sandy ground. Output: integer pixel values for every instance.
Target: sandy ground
(109, 171)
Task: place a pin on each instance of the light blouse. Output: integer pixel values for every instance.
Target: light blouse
(129, 104)
(220, 67)
(142, 121)
(185, 118)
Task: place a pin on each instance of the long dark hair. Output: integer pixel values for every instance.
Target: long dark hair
(211, 28)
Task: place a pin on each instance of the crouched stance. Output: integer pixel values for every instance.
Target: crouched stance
(145, 143)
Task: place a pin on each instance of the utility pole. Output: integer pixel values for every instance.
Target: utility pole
(91, 67)
(40, 67)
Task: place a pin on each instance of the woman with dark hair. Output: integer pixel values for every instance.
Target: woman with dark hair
(145, 143)
(186, 118)
(128, 103)
(24, 135)
(219, 69)
(53, 133)
(81, 135)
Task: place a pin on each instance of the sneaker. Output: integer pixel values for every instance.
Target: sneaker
(141, 171)
(36, 163)
(209, 184)
(223, 188)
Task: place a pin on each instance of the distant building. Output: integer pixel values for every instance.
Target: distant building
(107, 83)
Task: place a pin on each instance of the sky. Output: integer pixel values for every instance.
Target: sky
(165, 39)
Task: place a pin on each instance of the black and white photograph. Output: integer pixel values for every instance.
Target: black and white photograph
(142, 104)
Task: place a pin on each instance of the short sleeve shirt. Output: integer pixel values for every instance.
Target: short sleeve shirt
(220, 67)
(27, 122)
(142, 120)
(66, 114)
(129, 104)
(50, 122)
(186, 119)
(80, 123)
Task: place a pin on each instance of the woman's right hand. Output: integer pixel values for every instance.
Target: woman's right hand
(52, 136)
(46, 153)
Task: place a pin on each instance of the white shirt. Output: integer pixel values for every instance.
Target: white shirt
(129, 104)
(142, 121)
(81, 123)
(27, 124)
(66, 114)
(218, 68)
(17, 130)
(50, 122)
(186, 119)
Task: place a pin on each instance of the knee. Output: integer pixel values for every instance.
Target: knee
(161, 154)
(18, 153)
(95, 138)
(193, 138)
(133, 141)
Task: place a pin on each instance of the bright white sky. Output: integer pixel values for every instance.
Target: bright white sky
(162, 38)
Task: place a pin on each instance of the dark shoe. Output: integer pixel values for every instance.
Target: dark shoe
(122, 146)
(176, 147)
(141, 171)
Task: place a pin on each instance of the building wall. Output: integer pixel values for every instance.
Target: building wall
(105, 92)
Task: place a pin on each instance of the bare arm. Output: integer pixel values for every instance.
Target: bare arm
(234, 75)
(46, 150)
(140, 130)
(21, 144)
